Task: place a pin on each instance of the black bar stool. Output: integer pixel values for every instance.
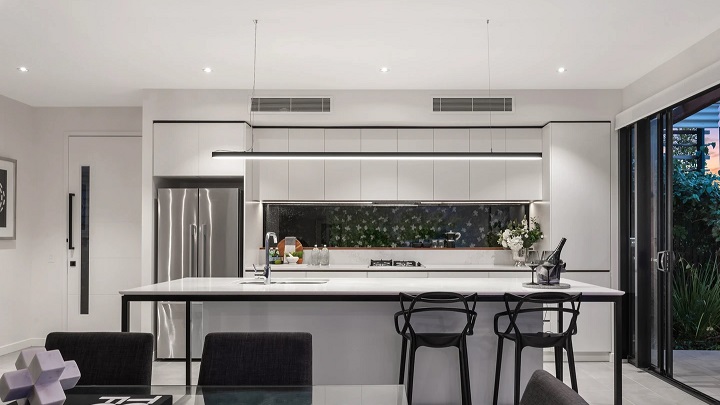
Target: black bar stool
(436, 302)
(559, 340)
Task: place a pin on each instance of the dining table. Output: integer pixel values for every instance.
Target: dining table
(238, 395)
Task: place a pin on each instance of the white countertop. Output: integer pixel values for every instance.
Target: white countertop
(365, 267)
(358, 287)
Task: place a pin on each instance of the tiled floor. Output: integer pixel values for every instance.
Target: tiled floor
(594, 380)
(699, 369)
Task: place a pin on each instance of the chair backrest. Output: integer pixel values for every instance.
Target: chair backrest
(107, 358)
(544, 389)
(549, 298)
(257, 359)
(448, 302)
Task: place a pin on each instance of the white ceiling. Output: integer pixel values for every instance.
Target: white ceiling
(103, 52)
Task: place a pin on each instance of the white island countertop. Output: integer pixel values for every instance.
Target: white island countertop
(355, 287)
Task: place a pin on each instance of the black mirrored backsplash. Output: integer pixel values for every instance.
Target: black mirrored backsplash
(371, 225)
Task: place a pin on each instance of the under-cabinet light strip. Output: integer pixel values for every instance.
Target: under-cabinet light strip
(377, 155)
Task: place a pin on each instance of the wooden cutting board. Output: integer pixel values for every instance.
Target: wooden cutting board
(298, 248)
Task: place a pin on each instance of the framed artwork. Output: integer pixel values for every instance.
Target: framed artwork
(8, 177)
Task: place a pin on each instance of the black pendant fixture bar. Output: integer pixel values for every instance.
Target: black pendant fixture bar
(377, 155)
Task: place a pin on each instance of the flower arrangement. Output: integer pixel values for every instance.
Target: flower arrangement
(520, 235)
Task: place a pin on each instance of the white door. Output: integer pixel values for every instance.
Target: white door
(104, 174)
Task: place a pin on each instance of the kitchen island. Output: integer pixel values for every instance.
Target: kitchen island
(351, 319)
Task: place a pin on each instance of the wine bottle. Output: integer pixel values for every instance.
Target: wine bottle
(554, 257)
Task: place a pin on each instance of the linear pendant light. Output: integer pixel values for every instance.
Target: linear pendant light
(252, 155)
(376, 155)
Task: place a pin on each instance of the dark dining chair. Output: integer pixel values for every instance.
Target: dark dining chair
(107, 358)
(445, 304)
(257, 359)
(544, 389)
(561, 340)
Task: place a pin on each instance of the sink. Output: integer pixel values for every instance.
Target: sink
(286, 281)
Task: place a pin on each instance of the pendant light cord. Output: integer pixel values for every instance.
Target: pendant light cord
(252, 93)
(487, 27)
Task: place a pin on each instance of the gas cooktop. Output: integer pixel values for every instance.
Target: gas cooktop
(394, 263)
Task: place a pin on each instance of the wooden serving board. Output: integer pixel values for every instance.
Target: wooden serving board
(298, 248)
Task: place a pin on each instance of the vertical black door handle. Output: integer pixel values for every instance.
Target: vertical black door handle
(70, 221)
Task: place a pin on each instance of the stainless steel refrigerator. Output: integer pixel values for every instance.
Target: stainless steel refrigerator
(198, 235)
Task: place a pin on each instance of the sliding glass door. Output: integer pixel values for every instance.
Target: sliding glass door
(670, 228)
(647, 226)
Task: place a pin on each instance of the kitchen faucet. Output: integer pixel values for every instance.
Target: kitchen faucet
(266, 269)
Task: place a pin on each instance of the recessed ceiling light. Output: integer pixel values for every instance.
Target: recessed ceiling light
(384, 69)
(561, 70)
(23, 69)
(207, 70)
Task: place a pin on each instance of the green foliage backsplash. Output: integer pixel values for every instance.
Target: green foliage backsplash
(390, 226)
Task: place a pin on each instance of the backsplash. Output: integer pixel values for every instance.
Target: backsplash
(366, 225)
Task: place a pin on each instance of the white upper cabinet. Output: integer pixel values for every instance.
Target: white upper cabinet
(175, 149)
(185, 149)
(306, 177)
(415, 177)
(524, 177)
(272, 175)
(220, 136)
(451, 177)
(379, 178)
(487, 177)
(342, 178)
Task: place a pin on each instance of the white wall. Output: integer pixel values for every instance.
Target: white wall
(383, 107)
(688, 73)
(397, 108)
(17, 142)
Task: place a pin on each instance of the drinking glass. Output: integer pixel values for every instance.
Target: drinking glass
(533, 259)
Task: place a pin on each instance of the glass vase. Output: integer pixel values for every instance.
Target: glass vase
(518, 256)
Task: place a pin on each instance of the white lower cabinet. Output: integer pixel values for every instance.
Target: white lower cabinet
(337, 274)
(457, 274)
(397, 274)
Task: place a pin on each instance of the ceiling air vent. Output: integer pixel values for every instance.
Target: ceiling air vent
(472, 104)
(290, 105)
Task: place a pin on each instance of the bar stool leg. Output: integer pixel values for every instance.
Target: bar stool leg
(559, 363)
(466, 354)
(411, 373)
(402, 361)
(518, 368)
(497, 370)
(463, 382)
(571, 364)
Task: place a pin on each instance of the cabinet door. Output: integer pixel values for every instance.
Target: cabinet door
(452, 177)
(307, 177)
(378, 178)
(580, 193)
(415, 177)
(487, 177)
(272, 175)
(220, 136)
(524, 177)
(175, 149)
(342, 177)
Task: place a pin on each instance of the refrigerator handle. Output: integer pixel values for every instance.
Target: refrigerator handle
(201, 244)
(193, 250)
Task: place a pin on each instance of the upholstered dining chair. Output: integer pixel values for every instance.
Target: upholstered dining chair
(107, 358)
(260, 359)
